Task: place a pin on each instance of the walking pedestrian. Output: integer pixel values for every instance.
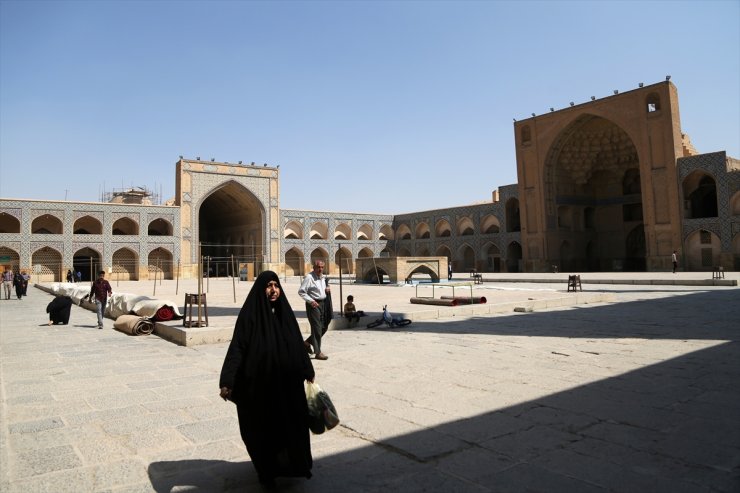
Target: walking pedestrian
(26, 279)
(8, 282)
(99, 292)
(18, 284)
(263, 374)
(674, 259)
(314, 291)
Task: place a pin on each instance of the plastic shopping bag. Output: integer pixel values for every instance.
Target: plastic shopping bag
(322, 415)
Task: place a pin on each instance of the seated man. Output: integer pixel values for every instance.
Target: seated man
(59, 309)
(350, 312)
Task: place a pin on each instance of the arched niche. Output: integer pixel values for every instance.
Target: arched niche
(87, 262)
(159, 227)
(342, 232)
(422, 231)
(403, 232)
(490, 225)
(465, 226)
(365, 253)
(9, 224)
(466, 254)
(492, 254)
(46, 265)
(87, 225)
(403, 252)
(513, 223)
(700, 195)
(125, 226)
(294, 262)
(442, 229)
(701, 250)
(343, 258)
(365, 232)
(513, 256)
(10, 259)
(160, 263)
(125, 265)
(319, 231)
(386, 232)
(293, 231)
(47, 224)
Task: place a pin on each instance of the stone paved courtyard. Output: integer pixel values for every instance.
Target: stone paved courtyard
(638, 394)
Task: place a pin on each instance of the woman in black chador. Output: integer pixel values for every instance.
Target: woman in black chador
(263, 373)
(59, 310)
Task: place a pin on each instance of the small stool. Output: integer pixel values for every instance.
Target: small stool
(718, 273)
(478, 278)
(574, 283)
(187, 321)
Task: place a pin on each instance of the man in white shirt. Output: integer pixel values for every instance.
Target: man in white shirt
(314, 290)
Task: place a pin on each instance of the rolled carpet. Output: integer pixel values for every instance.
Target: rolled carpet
(134, 325)
(164, 313)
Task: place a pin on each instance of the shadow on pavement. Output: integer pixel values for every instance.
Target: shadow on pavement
(666, 427)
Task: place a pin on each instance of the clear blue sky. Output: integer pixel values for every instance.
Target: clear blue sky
(379, 107)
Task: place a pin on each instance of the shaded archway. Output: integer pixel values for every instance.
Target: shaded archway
(386, 232)
(231, 221)
(46, 265)
(125, 265)
(442, 229)
(423, 273)
(293, 231)
(125, 226)
(593, 194)
(422, 231)
(319, 231)
(160, 264)
(465, 227)
(342, 232)
(403, 232)
(294, 262)
(444, 251)
(700, 195)
(403, 252)
(467, 257)
(365, 232)
(490, 224)
(159, 227)
(47, 224)
(513, 223)
(701, 250)
(9, 258)
(343, 258)
(365, 253)
(634, 250)
(9, 224)
(87, 225)
(87, 262)
(513, 257)
(492, 254)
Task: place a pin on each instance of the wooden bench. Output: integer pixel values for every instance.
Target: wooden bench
(574, 283)
(718, 273)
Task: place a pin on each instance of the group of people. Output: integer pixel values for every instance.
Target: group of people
(265, 368)
(74, 277)
(17, 280)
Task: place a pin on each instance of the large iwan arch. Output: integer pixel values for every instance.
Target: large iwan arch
(231, 221)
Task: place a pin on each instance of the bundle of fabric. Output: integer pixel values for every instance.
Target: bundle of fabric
(121, 303)
(134, 325)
